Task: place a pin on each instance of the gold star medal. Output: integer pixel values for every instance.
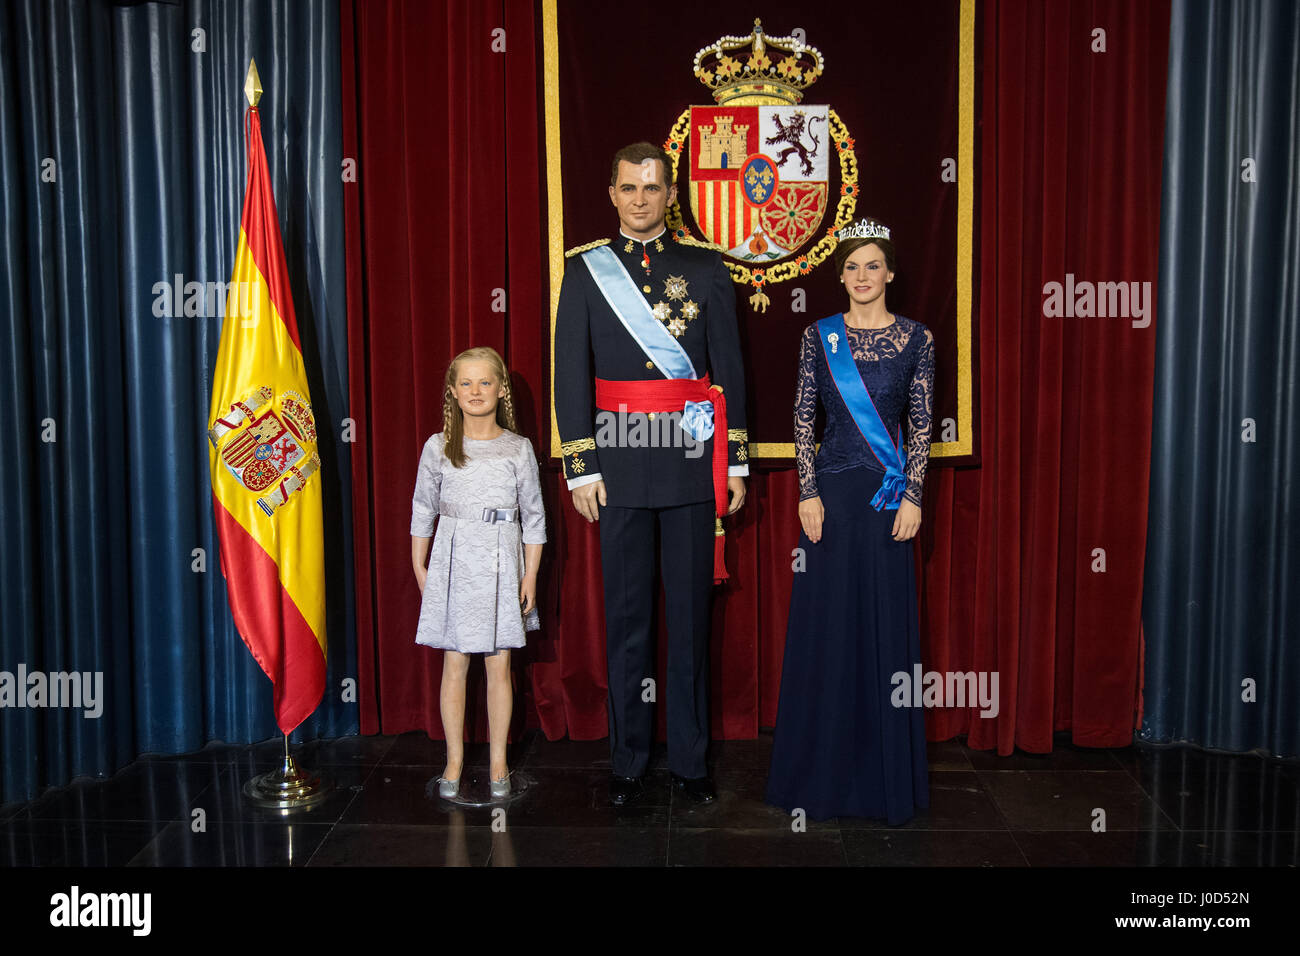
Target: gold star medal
(675, 288)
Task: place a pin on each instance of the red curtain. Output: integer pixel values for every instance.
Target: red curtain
(449, 207)
(1069, 180)
(440, 115)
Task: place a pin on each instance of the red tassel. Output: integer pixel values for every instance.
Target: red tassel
(719, 552)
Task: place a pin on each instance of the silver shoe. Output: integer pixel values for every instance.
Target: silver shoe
(448, 789)
(501, 788)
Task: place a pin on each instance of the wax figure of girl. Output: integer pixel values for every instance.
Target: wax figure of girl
(841, 748)
(478, 479)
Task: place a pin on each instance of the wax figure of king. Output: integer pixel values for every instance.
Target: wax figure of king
(654, 443)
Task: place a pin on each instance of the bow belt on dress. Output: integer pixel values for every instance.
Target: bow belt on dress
(490, 515)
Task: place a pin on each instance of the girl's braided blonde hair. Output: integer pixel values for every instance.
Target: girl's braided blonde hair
(453, 418)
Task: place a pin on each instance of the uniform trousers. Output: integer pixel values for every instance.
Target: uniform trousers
(627, 546)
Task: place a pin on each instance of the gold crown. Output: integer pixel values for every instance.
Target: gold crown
(767, 70)
(297, 413)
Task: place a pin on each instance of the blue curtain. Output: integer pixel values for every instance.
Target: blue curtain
(1221, 603)
(124, 171)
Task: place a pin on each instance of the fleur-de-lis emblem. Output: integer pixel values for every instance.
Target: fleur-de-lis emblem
(834, 339)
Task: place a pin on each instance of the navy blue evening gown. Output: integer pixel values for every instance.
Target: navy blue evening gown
(841, 748)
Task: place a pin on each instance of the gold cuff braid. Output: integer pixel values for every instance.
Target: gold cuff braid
(741, 436)
(574, 447)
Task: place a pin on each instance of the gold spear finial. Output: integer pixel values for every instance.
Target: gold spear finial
(252, 84)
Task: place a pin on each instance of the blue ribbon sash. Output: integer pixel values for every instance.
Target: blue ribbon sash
(848, 382)
(658, 344)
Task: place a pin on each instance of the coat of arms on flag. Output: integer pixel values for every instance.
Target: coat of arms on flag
(758, 175)
(276, 452)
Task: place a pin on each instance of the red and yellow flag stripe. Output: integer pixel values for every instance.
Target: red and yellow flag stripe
(273, 563)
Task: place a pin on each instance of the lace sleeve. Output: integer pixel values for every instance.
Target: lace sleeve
(805, 412)
(920, 404)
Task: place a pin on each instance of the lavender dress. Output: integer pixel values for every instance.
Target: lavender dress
(471, 595)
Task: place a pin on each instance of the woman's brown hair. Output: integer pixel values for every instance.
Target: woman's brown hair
(847, 247)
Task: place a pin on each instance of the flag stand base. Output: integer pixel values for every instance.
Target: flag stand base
(287, 788)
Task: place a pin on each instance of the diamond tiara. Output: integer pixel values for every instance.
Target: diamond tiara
(863, 229)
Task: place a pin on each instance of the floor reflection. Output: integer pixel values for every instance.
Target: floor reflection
(1161, 807)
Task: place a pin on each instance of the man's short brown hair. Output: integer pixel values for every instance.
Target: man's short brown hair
(638, 153)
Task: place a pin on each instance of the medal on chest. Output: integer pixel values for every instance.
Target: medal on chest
(676, 289)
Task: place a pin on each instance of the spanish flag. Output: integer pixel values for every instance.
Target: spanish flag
(264, 463)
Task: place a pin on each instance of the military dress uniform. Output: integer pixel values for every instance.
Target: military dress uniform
(650, 483)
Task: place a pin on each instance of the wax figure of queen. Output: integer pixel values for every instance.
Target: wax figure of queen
(656, 443)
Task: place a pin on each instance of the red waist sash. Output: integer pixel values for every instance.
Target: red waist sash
(670, 395)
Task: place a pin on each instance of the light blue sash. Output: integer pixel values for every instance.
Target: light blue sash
(656, 342)
(848, 381)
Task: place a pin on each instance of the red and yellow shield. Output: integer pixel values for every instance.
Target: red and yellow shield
(758, 177)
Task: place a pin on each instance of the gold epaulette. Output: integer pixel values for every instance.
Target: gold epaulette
(692, 241)
(578, 250)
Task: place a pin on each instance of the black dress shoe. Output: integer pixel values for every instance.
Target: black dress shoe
(699, 789)
(623, 790)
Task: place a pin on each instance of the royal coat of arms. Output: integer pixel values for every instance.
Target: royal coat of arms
(272, 454)
(759, 161)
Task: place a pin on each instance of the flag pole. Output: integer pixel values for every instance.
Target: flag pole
(289, 787)
(252, 84)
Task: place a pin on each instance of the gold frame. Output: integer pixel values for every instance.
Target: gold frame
(965, 445)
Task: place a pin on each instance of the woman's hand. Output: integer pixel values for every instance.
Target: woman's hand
(528, 592)
(906, 522)
(811, 514)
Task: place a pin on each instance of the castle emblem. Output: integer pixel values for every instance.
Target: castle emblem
(759, 163)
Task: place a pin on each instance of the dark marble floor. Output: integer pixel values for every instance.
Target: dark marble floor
(1162, 807)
